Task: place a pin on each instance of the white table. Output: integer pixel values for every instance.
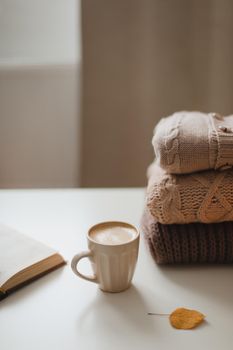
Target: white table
(61, 311)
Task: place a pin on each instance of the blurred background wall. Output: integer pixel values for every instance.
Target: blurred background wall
(83, 83)
(40, 77)
(144, 60)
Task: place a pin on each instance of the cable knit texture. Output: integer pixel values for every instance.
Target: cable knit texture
(187, 142)
(193, 243)
(205, 196)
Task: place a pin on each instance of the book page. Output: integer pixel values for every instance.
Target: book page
(18, 251)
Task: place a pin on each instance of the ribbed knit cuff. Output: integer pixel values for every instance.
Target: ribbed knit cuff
(190, 243)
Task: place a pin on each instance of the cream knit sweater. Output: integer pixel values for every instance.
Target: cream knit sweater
(205, 196)
(187, 142)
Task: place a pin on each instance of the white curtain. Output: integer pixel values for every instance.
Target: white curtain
(40, 74)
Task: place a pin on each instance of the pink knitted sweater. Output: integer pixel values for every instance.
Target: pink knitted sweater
(187, 142)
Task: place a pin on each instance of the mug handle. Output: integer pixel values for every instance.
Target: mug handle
(74, 264)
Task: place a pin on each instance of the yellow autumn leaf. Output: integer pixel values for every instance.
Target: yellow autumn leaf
(182, 318)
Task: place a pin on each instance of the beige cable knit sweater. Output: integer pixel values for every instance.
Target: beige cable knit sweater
(205, 196)
(187, 142)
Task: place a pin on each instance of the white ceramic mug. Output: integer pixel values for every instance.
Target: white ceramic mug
(113, 252)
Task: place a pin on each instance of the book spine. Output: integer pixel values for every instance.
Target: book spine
(2, 295)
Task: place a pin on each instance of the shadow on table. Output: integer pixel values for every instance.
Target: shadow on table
(212, 281)
(108, 308)
(33, 287)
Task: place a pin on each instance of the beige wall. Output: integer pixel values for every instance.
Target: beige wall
(144, 60)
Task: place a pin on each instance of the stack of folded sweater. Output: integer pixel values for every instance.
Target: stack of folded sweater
(188, 216)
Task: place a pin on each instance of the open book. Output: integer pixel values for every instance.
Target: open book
(23, 259)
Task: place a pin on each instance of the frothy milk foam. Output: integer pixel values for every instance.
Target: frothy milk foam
(112, 235)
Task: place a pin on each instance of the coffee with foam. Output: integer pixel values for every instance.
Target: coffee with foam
(113, 234)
